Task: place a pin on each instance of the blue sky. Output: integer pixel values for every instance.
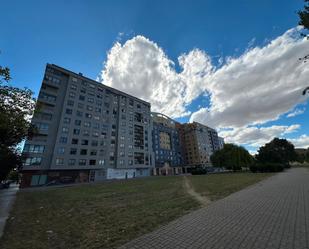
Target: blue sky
(78, 35)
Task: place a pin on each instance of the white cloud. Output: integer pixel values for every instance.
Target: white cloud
(301, 142)
(141, 68)
(296, 112)
(258, 86)
(254, 136)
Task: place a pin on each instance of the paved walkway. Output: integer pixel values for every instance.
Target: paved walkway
(7, 197)
(271, 214)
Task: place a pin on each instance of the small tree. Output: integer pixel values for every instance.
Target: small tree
(232, 157)
(16, 107)
(278, 151)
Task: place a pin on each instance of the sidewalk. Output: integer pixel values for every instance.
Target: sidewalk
(270, 214)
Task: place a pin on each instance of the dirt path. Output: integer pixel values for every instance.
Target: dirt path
(190, 190)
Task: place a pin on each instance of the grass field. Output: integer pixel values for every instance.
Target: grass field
(217, 186)
(108, 214)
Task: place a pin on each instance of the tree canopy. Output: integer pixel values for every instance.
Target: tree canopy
(277, 151)
(16, 108)
(232, 157)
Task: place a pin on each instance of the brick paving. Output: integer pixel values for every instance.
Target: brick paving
(271, 214)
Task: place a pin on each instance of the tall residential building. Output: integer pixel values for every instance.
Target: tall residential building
(86, 131)
(221, 142)
(198, 143)
(166, 145)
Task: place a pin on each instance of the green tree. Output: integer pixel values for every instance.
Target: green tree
(232, 157)
(16, 108)
(278, 151)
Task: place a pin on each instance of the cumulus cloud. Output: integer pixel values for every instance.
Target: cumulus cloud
(258, 86)
(256, 136)
(301, 142)
(141, 68)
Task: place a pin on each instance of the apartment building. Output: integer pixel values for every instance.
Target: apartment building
(166, 145)
(198, 143)
(86, 132)
(221, 142)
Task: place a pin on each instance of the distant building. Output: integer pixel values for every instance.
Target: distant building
(86, 132)
(198, 143)
(166, 145)
(221, 142)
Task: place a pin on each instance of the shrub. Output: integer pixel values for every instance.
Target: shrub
(267, 167)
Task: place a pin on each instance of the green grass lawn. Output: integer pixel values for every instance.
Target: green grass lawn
(217, 186)
(108, 214)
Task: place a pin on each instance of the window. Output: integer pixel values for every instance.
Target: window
(60, 150)
(47, 97)
(90, 100)
(45, 116)
(96, 126)
(121, 162)
(63, 140)
(73, 87)
(73, 151)
(42, 126)
(70, 102)
(97, 109)
(65, 130)
(74, 79)
(76, 131)
(88, 115)
(101, 162)
(80, 105)
(81, 97)
(78, 122)
(83, 90)
(89, 108)
(92, 162)
(93, 152)
(74, 141)
(66, 120)
(87, 124)
(72, 95)
(83, 152)
(95, 134)
(138, 158)
(79, 113)
(94, 143)
(69, 111)
(34, 148)
(59, 161)
(72, 162)
(33, 161)
(85, 132)
(96, 118)
(84, 142)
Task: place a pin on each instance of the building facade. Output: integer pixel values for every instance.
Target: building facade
(221, 142)
(86, 132)
(166, 145)
(198, 143)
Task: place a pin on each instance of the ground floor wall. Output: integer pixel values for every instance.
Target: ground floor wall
(50, 177)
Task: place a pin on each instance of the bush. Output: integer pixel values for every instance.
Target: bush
(267, 167)
(198, 171)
